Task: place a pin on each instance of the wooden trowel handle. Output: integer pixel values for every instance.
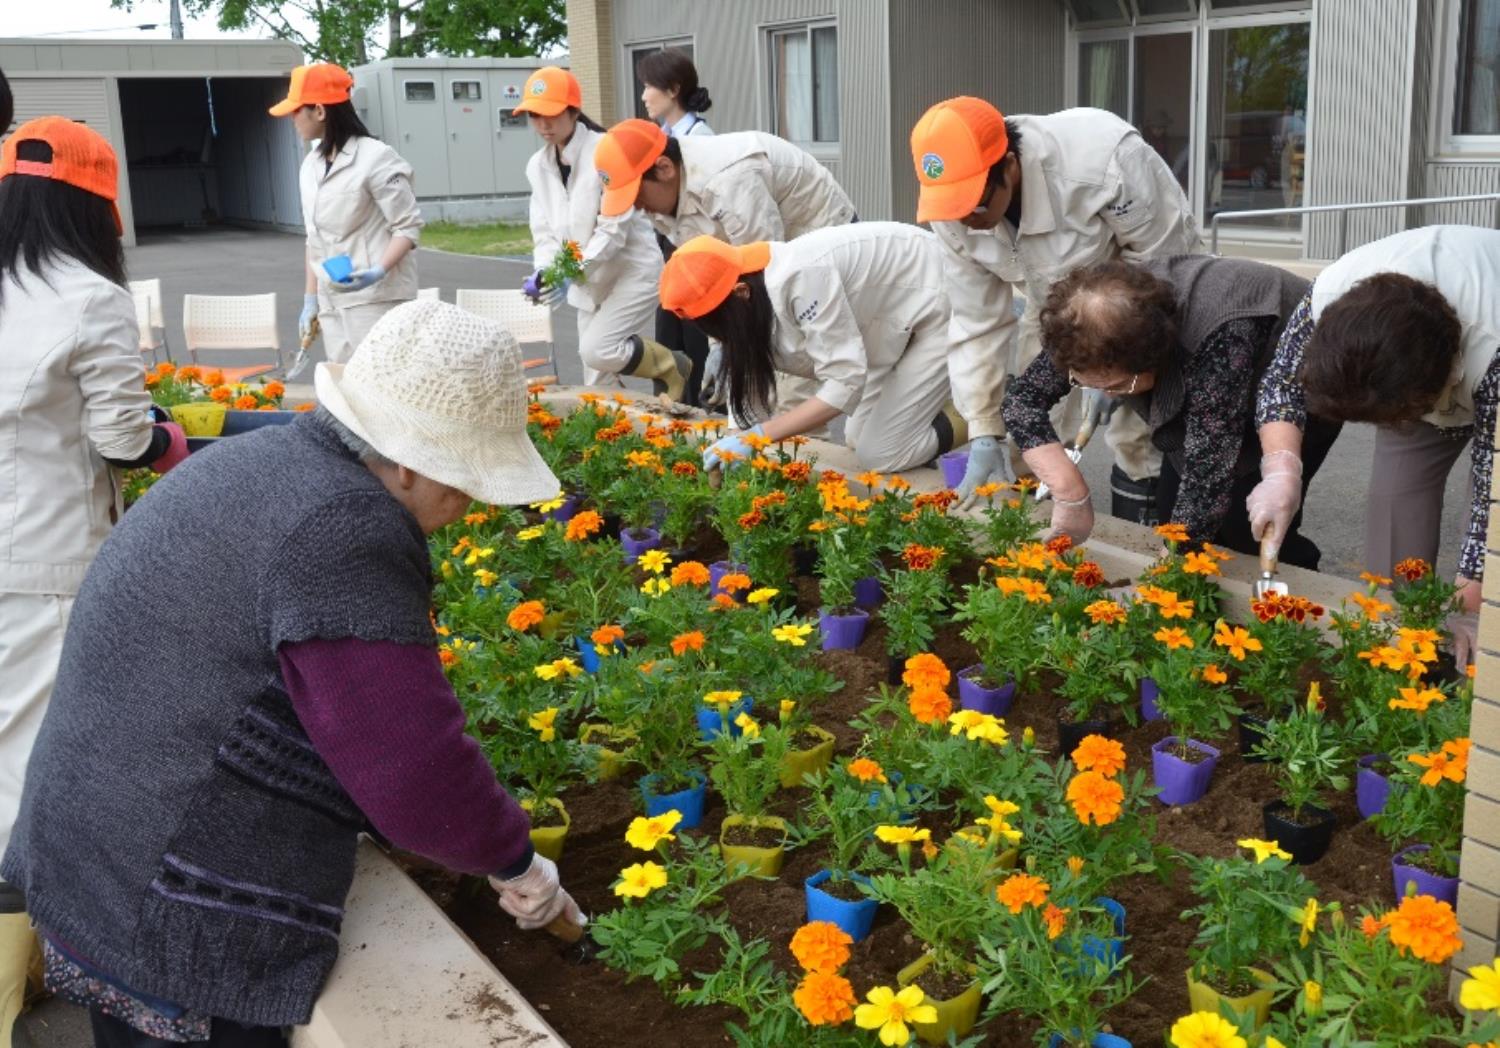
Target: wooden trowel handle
(565, 929)
(1267, 558)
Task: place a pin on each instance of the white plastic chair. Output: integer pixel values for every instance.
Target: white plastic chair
(238, 323)
(429, 292)
(153, 325)
(527, 321)
(148, 342)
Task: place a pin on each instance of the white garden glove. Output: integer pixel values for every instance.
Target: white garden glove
(714, 389)
(553, 297)
(1074, 519)
(360, 279)
(308, 315)
(986, 463)
(1276, 499)
(1463, 627)
(536, 897)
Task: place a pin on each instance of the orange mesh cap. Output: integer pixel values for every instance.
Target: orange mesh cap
(622, 157)
(315, 85)
(701, 273)
(81, 157)
(549, 91)
(953, 147)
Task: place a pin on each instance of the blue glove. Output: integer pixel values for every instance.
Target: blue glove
(986, 463)
(308, 315)
(552, 297)
(531, 287)
(360, 279)
(734, 443)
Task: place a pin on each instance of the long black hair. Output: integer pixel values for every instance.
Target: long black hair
(43, 220)
(670, 69)
(744, 325)
(343, 123)
(586, 120)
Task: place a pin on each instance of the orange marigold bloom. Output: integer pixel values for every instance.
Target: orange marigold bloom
(1104, 612)
(1372, 925)
(1060, 544)
(1173, 638)
(447, 657)
(1373, 579)
(213, 378)
(684, 469)
(1056, 920)
(1170, 606)
(690, 573)
(273, 389)
(1020, 890)
(525, 615)
(897, 484)
(821, 946)
(1095, 798)
(1235, 639)
(1173, 532)
(607, 635)
(1214, 675)
(866, 770)
(1089, 575)
(583, 525)
(1371, 606)
(1412, 568)
(245, 402)
(221, 394)
(1200, 564)
(1417, 699)
(926, 671)
(734, 582)
(824, 999)
(691, 641)
(1425, 927)
(796, 472)
(722, 602)
(754, 519)
(930, 705)
(1451, 763)
(1097, 753)
(921, 558)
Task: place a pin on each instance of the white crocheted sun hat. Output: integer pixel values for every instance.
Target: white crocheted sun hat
(441, 391)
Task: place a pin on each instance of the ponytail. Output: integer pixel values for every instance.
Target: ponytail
(586, 120)
(745, 326)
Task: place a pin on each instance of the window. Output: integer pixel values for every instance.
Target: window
(636, 52)
(1476, 95)
(1092, 13)
(420, 90)
(508, 120)
(466, 91)
(804, 81)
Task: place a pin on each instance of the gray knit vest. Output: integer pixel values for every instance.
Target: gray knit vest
(1210, 292)
(177, 829)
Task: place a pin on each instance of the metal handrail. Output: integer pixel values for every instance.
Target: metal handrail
(1343, 210)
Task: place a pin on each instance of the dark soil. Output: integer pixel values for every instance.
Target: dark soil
(943, 986)
(546, 816)
(843, 889)
(1190, 754)
(1307, 818)
(753, 836)
(586, 1003)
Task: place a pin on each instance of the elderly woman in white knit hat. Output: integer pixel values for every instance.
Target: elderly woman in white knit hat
(188, 825)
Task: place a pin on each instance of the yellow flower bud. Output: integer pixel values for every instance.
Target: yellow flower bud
(1312, 997)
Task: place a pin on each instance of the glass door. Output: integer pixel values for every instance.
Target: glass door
(1162, 100)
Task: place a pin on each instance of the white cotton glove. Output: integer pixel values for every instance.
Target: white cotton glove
(714, 389)
(536, 897)
(986, 463)
(553, 297)
(308, 315)
(1074, 519)
(1275, 500)
(359, 279)
(1463, 627)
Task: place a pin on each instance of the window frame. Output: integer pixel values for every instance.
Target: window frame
(453, 84)
(830, 150)
(1447, 145)
(632, 102)
(406, 85)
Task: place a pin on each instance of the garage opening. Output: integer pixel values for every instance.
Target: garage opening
(204, 151)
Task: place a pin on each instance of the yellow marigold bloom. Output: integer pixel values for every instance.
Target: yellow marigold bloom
(1020, 890)
(981, 726)
(655, 586)
(554, 503)
(889, 1012)
(1264, 849)
(821, 946)
(527, 534)
(654, 561)
(1312, 997)
(824, 999)
(1480, 992)
(792, 633)
(761, 595)
(1417, 699)
(1172, 532)
(722, 698)
(1425, 927)
(1307, 918)
(640, 880)
(1075, 866)
(1102, 612)
(564, 667)
(1235, 639)
(996, 822)
(477, 554)
(485, 577)
(748, 725)
(1173, 638)
(646, 833)
(1200, 564)
(902, 834)
(1205, 1030)
(542, 723)
(787, 706)
(969, 838)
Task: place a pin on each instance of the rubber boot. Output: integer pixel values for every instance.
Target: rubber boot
(952, 430)
(668, 371)
(17, 944)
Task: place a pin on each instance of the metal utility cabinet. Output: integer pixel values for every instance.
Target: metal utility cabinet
(450, 118)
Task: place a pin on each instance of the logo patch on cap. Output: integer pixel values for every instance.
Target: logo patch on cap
(539, 87)
(604, 177)
(932, 165)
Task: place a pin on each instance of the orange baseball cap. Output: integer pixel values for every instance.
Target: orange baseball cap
(81, 157)
(315, 85)
(622, 157)
(701, 273)
(953, 147)
(548, 92)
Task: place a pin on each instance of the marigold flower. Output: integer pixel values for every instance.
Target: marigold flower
(1056, 920)
(654, 561)
(749, 725)
(926, 670)
(792, 633)
(902, 834)
(734, 582)
(997, 821)
(1264, 849)
(447, 657)
(607, 635)
(1412, 568)
(525, 615)
(1075, 866)
(583, 525)
(1174, 638)
(930, 705)
(824, 998)
(684, 469)
(485, 577)
(722, 698)
(1170, 606)
(655, 586)
(786, 707)
(1020, 890)
(1451, 762)
(543, 723)
(1200, 564)
(752, 520)
(1480, 992)
(981, 726)
(1206, 1030)
(796, 472)
(1425, 927)
(1213, 674)
(1097, 753)
(690, 573)
(213, 378)
(1105, 612)
(1172, 532)
(1089, 575)
(690, 641)
(1373, 579)
(528, 534)
(640, 880)
(246, 402)
(1307, 918)
(1312, 997)
(762, 595)
(221, 394)
(1417, 699)
(990, 490)
(866, 770)
(558, 668)
(1235, 639)
(1371, 606)
(921, 558)
(647, 833)
(722, 602)
(1095, 798)
(889, 1012)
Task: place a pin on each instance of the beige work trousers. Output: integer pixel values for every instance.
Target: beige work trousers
(31, 639)
(891, 427)
(604, 333)
(1408, 473)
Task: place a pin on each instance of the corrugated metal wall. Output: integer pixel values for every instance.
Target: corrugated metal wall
(1007, 51)
(1359, 144)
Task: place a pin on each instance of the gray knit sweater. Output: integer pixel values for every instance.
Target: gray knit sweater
(177, 829)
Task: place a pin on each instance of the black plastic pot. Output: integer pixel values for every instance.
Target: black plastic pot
(1307, 844)
(1252, 735)
(805, 559)
(1070, 734)
(894, 667)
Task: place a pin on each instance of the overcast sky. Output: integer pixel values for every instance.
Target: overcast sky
(64, 19)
